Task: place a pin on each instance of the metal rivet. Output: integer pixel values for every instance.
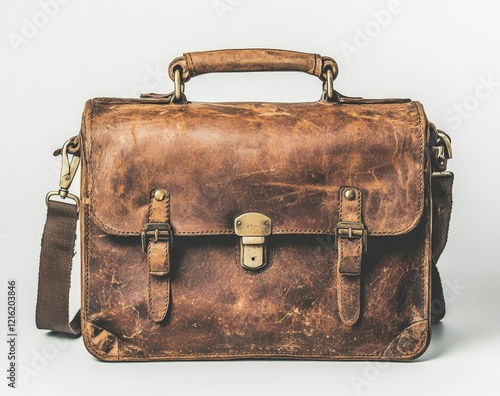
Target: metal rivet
(266, 224)
(238, 223)
(350, 194)
(160, 195)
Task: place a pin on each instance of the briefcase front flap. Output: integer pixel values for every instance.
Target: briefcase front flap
(286, 161)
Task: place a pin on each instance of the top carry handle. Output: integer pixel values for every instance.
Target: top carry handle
(192, 64)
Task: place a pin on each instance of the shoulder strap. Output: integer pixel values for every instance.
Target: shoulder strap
(58, 247)
(54, 278)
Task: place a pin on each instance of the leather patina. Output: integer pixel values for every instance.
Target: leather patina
(293, 169)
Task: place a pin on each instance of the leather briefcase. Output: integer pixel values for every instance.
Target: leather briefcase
(250, 230)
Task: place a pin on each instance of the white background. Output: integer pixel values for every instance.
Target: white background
(440, 53)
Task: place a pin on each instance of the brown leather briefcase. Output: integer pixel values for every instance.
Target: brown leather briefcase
(250, 230)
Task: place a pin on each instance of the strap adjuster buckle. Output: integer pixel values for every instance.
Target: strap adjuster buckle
(351, 230)
(157, 232)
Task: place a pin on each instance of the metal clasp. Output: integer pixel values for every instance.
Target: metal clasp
(68, 171)
(445, 151)
(252, 228)
(351, 230)
(157, 232)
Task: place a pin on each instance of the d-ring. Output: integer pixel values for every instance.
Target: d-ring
(329, 83)
(178, 86)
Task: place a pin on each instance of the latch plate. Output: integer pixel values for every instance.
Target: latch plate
(253, 227)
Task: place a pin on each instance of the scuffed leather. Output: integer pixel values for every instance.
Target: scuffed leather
(289, 162)
(409, 342)
(245, 60)
(350, 255)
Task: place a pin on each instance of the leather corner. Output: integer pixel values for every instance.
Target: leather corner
(106, 346)
(410, 343)
(100, 343)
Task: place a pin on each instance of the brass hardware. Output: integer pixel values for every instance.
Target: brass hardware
(158, 232)
(252, 228)
(178, 85)
(351, 230)
(445, 150)
(68, 171)
(350, 194)
(159, 195)
(328, 84)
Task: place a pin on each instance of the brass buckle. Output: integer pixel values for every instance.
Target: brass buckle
(351, 230)
(157, 232)
(68, 171)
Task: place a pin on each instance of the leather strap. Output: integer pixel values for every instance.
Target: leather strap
(158, 252)
(54, 278)
(350, 254)
(245, 60)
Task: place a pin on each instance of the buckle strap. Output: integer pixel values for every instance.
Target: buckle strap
(157, 231)
(351, 242)
(156, 240)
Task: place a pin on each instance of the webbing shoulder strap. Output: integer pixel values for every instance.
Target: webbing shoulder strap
(54, 278)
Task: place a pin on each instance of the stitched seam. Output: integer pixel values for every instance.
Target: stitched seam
(341, 257)
(150, 281)
(426, 273)
(167, 206)
(190, 64)
(313, 70)
(209, 232)
(167, 297)
(167, 256)
(420, 202)
(359, 203)
(87, 244)
(150, 298)
(86, 237)
(357, 311)
(270, 354)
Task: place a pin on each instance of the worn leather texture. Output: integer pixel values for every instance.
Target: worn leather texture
(244, 60)
(289, 162)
